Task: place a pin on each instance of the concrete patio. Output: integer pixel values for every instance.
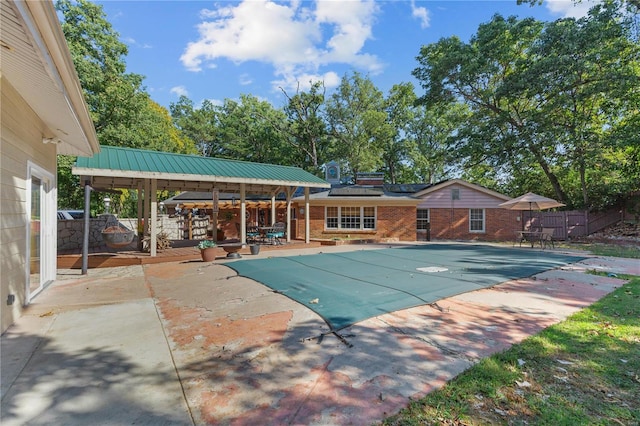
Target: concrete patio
(192, 343)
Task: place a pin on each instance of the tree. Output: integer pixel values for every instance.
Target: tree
(400, 113)
(248, 130)
(358, 123)
(199, 124)
(122, 111)
(476, 74)
(98, 55)
(306, 129)
(544, 98)
(429, 133)
(582, 71)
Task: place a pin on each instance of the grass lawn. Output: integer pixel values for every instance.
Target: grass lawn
(599, 249)
(582, 371)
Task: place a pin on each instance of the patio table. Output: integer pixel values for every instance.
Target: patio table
(264, 230)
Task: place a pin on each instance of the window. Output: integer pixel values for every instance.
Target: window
(350, 218)
(476, 220)
(455, 193)
(331, 216)
(369, 217)
(422, 219)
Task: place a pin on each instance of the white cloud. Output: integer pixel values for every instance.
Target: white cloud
(179, 91)
(133, 43)
(422, 13)
(297, 38)
(569, 8)
(245, 79)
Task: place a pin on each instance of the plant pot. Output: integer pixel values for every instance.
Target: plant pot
(255, 248)
(208, 254)
(117, 237)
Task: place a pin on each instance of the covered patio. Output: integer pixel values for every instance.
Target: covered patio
(148, 172)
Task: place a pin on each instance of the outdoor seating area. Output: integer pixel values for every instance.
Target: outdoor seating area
(543, 237)
(270, 234)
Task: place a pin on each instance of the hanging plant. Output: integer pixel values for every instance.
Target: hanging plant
(117, 236)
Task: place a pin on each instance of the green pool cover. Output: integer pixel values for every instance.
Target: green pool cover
(345, 288)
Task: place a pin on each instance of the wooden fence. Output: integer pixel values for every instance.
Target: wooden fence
(572, 224)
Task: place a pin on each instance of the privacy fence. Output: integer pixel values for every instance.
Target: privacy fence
(574, 223)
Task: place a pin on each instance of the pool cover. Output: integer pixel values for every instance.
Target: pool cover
(345, 288)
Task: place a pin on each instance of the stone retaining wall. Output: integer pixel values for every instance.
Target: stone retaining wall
(70, 232)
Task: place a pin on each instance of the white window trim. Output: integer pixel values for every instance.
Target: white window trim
(48, 228)
(361, 228)
(428, 218)
(327, 217)
(484, 222)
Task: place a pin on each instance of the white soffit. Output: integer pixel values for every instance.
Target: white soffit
(37, 63)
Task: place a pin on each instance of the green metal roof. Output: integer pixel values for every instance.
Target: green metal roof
(117, 162)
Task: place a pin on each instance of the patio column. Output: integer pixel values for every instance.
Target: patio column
(215, 197)
(154, 216)
(306, 216)
(273, 209)
(289, 192)
(243, 214)
(86, 228)
(145, 207)
(139, 214)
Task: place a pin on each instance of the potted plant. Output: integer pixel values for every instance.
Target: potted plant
(207, 250)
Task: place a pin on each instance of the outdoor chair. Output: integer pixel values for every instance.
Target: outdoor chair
(253, 233)
(547, 237)
(277, 232)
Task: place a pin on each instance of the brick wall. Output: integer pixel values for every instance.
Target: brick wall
(392, 222)
(453, 224)
(400, 223)
(397, 222)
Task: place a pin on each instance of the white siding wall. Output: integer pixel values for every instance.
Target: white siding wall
(20, 141)
(469, 199)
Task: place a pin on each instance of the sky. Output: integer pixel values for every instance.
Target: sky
(222, 49)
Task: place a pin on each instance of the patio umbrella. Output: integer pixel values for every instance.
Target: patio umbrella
(530, 201)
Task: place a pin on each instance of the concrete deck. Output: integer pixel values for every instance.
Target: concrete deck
(192, 343)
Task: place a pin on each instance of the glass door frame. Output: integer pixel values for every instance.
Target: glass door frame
(48, 229)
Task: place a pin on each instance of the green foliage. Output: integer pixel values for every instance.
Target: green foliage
(122, 111)
(306, 128)
(358, 123)
(523, 106)
(198, 124)
(203, 244)
(429, 135)
(400, 114)
(551, 105)
(249, 130)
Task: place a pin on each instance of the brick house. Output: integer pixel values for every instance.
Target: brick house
(370, 209)
(459, 210)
